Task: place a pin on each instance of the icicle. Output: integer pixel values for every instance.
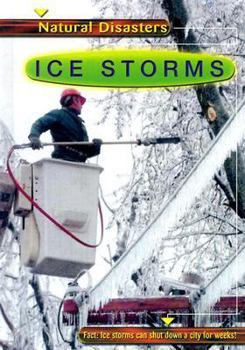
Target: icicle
(84, 314)
(141, 315)
(122, 317)
(171, 212)
(111, 318)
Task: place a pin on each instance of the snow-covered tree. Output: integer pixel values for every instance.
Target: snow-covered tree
(157, 171)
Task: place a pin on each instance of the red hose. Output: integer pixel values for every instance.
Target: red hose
(46, 214)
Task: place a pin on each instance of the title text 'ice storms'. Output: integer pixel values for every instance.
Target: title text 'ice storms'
(148, 68)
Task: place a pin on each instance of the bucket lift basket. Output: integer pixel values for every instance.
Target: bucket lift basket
(69, 191)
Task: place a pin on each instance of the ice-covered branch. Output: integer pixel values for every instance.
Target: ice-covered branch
(229, 275)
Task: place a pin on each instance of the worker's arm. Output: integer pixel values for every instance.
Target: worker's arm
(93, 149)
(43, 124)
(39, 126)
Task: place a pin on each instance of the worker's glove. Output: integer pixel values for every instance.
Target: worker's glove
(35, 142)
(147, 141)
(97, 144)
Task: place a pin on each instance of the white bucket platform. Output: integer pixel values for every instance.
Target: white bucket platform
(68, 191)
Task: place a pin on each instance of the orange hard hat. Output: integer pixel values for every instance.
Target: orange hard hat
(71, 92)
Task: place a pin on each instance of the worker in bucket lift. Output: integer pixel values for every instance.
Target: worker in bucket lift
(66, 125)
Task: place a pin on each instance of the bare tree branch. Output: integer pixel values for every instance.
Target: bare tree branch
(5, 345)
(47, 338)
(6, 319)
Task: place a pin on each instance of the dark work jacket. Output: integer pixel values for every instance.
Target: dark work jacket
(65, 125)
